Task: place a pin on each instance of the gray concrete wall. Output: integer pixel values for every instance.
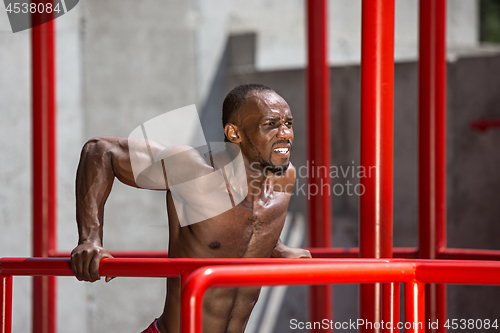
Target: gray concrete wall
(281, 25)
(473, 175)
(15, 158)
(70, 114)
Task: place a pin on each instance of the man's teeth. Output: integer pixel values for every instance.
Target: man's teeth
(281, 150)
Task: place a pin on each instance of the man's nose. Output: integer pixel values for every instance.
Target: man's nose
(285, 132)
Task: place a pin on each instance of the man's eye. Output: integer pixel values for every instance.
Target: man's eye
(271, 124)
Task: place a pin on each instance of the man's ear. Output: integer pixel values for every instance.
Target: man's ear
(232, 133)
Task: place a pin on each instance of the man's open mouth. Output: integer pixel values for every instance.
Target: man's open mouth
(282, 151)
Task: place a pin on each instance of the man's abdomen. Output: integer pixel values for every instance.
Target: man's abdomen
(226, 310)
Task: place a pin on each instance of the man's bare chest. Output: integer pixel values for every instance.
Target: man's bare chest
(250, 229)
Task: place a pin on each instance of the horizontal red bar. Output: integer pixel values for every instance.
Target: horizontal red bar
(296, 274)
(148, 267)
(459, 272)
(427, 270)
(483, 125)
(469, 254)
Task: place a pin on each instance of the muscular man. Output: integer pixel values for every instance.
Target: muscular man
(258, 123)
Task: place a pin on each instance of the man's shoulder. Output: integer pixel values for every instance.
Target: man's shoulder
(154, 164)
(185, 160)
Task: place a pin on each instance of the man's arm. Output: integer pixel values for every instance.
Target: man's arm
(101, 160)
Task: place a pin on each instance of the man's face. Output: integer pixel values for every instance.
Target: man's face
(266, 124)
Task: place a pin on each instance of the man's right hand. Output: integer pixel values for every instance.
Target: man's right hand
(85, 260)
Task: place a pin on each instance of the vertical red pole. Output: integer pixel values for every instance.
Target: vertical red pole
(44, 171)
(414, 307)
(432, 147)
(377, 107)
(318, 89)
(390, 310)
(6, 303)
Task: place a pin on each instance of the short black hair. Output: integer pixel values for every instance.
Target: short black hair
(236, 98)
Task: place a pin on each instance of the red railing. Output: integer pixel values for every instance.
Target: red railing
(201, 274)
(432, 146)
(138, 267)
(376, 148)
(44, 196)
(319, 206)
(483, 125)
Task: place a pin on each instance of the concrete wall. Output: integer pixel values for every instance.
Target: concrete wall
(473, 175)
(280, 27)
(120, 64)
(15, 158)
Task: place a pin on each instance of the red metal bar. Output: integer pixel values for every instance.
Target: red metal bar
(390, 310)
(432, 146)
(414, 307)
(44, 169)
(296, 274)
(432, 128)
(149, 267)
(469, 254)
(318, 78)
(318, 147)
(425, 271)
(377, 107)
(458, 272)
(412, 273)
(6, 303)
(254, 272)
(482, 125)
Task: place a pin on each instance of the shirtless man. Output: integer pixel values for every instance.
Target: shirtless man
(257, 121)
